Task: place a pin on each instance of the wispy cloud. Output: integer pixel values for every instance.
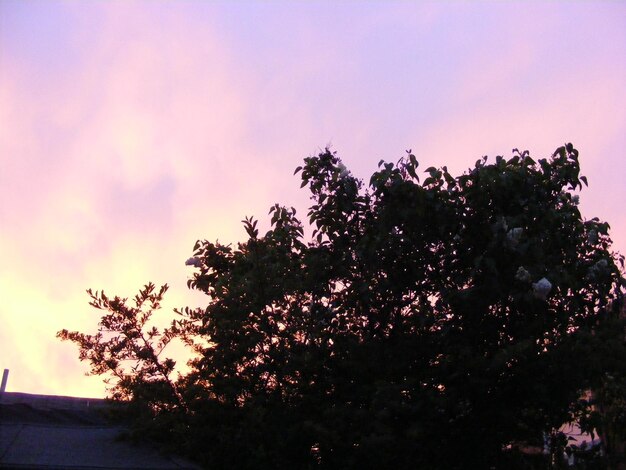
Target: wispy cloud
(130, 129)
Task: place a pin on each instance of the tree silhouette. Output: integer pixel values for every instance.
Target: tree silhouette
(441, 323)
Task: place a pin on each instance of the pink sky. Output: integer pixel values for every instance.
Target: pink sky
(130, 129)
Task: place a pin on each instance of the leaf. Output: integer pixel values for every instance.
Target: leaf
(411, 171)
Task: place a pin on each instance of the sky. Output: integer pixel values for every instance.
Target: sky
(130, 129)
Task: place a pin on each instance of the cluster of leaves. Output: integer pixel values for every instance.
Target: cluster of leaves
(432, 324)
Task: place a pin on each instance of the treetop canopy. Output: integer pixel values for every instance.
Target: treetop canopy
(431, 321)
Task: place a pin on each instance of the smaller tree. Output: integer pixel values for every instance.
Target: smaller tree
(129, 351)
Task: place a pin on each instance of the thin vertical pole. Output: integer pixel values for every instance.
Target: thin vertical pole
(5, 377)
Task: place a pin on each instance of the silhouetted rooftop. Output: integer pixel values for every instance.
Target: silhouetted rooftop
(53, 432)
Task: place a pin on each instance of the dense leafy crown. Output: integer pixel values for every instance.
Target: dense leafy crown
(430, 323)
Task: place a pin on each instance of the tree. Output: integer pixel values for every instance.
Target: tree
(426, 324)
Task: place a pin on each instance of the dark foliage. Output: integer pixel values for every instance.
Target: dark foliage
(441, 323)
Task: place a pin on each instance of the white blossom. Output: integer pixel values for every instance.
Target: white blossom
(597, 269)
(602, 264)
(343, 171)
(193, 261)
(542, 288)
(504, 224)
(592, 237)
(522, 275)
(513, 236)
